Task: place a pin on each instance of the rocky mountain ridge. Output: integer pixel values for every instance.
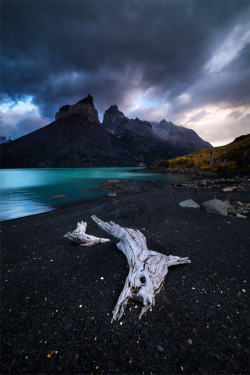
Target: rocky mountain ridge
(115, 121)
(77, 139)
(180, 135)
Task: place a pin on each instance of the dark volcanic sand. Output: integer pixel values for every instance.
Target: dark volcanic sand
(56, 308)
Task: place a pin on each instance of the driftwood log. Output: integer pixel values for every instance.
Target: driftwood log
(80, 236)
(147, 268)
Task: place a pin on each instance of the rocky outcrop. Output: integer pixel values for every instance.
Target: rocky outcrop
(112, 118)
(216, 206)
(143, 128)
(180, 135)
(84, 106)
(115, 121)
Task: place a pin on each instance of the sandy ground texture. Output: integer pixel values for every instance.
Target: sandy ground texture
(57, 298)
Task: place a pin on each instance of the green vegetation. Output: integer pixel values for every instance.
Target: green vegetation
(232, 157)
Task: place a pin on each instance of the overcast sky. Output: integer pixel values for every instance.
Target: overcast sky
(185, 61)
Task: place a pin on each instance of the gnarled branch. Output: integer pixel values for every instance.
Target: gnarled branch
(79, 236)
(147, 268)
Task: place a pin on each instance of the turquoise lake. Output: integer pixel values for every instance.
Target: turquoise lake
(29, 191)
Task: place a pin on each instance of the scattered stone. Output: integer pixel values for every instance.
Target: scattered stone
(116, 181)
(112, 194)
(58, 196)
(243, 216)
(189, 203)
(131, 186)
(216, 206)
(239, 208)
(229, 189)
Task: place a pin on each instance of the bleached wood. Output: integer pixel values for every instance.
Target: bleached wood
(147, 268)
(79, 236)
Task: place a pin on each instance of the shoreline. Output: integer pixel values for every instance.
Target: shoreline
(68, 197)
(57, 298)
(120, 189)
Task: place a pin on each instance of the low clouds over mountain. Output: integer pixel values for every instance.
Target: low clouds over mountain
(172, 60)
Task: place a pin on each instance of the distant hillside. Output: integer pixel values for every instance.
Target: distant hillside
(232, 157)
(180, 135)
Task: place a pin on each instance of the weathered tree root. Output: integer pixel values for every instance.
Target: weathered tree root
(79, 236)
(147, 268)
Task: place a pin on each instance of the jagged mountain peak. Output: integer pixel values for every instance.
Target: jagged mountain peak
(77, 139)
(115, 122)
(164, 122)
(178, 134)
(114, 109)
(112, 118)
(87, 100)
(84, 106)
(143, 122)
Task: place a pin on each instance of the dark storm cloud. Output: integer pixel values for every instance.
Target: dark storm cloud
(59, 51)
(232, 85)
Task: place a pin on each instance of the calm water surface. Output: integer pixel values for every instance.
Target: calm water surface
(29, 191)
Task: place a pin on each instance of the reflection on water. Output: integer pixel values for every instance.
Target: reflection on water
(17, 207)
(29, 191)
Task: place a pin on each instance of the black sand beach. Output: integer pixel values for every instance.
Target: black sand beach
(57, 298)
